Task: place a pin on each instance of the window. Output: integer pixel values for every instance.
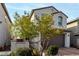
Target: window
(60, 21)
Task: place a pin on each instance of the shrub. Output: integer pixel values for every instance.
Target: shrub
(7, 47)
(52, 50)
(1, 48)
(22, 52)
(35, 52)
(25, 52)
(12, 53)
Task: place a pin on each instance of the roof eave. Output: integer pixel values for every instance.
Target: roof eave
(72, 21)
(4, 7)
(42, 8)
(47, 7)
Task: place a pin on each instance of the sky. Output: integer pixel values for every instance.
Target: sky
(70, 9)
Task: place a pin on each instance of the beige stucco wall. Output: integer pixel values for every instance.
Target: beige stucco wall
(72, 24)
(4, 31)
(74, 27)
(54, 17)
(33, 19)
(42, 11)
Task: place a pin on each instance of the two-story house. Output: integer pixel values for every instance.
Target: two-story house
(4, 26)
(60, 21)
(73, 26)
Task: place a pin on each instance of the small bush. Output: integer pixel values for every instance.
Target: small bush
(12, 53)
(35, 52)
(52, 50)
(1, 49)
(22, 52)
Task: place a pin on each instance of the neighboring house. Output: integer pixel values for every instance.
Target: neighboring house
(4, 26)
(60, 21)
(73, 26)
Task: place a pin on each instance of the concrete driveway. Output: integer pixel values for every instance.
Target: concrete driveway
(68, 51)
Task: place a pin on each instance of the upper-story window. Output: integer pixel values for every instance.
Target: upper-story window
(60, 20)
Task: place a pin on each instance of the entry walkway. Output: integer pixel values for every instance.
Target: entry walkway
(68, 51)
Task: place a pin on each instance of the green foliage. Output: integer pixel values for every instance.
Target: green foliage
(13, 53)
(35, 52)
(23, 27)
(47, 30)
(22, 52)
(52, 50)
(44, 23)
(25, 52)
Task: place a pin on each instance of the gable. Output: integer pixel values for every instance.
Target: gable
(49, 9)
(43, 9)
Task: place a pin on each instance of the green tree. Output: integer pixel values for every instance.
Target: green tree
(26, 29)
(47, 30)
(23, 27)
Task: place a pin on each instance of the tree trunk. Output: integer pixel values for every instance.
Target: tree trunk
(30, 46)
(47, 44)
